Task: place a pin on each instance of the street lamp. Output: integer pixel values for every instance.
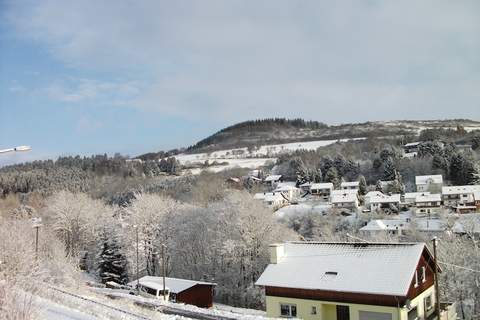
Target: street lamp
(16, 149)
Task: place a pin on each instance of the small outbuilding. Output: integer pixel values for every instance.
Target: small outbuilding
(198, 293)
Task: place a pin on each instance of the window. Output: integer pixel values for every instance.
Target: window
(314, 310)
(424, 274)
(416, 278)
(288, 310)
(413, 314)
(428, 303)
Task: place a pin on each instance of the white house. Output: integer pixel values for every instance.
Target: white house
(428, 203)
(383, 201)
(274, 200)
(350, 281)
(290, 192)
(431, 183)
(273, 180)
(411, 147)
(459, 195)
(409, 198)
(349, 185)
(345, 202)
(322, 190)
(390, 226)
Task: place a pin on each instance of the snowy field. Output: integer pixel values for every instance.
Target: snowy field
(242, 158)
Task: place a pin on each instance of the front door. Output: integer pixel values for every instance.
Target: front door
(343, 313)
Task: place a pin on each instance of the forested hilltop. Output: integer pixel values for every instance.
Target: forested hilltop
(280, 130)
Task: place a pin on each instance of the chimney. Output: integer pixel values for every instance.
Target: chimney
(277, 251)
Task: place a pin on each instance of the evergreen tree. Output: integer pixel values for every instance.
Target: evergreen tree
(332, 176)
(112, 264)
(389, 169)
(362, 185)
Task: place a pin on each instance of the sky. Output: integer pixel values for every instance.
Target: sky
(86, 77)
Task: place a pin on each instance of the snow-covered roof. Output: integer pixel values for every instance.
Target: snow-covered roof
(385, 224)
(371, 194)
(374, 268)
(318, 186)
(272, 197)
(413, 195)
(412, 144)
(428, 198)
(383, 198)
(450, 190)
(350, 184)
(437, 178)
(174, 285)
(306, 184)
(346, 191)
(346, 197)
(273, 177)
(284, 188)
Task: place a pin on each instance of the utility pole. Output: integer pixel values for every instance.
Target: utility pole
(435, 272)
(138, 275)
(37, 223)
(163, 272)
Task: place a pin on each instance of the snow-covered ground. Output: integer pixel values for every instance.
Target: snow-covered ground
(253, 159)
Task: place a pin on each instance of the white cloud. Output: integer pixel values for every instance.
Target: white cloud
(334, 61)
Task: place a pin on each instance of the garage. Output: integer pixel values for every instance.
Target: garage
(368, 315)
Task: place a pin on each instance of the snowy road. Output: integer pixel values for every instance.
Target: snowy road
(51, 310)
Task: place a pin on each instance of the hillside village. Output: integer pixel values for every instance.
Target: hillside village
(268, 234)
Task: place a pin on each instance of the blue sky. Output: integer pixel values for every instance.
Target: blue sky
(84, 77)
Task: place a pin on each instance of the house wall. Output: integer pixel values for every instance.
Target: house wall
(199, 295)
(326, 310)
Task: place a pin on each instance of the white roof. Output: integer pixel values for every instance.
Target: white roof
(274, 197)
(344, 197)
(346, 191)
(174, 285)
(282, 188)
(428, 198)
(350, 184)
(371, 194)
(437, 178)
(273, 177)
(375, 268)
(325, 185)
(383, 198)
(306, 184)
(476, 195)
(412, 144)
(460, 189)
(378, 225)
(413, 195)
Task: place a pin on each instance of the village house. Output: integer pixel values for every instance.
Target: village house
(431, 183)
(411, 147)
(349, 185)
(409, 198)
(380, 201)
(273, 180)
(305, 187)
(428, 204)
(274, 200)
(287, 190)
(389, 226)
(322, 190)
(346, 202)
(198, 293)
(453, 196)
(351, 281)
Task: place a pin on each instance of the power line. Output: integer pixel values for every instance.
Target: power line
(459, 267)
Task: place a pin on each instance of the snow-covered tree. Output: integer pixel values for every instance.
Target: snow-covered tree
(111, 261)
